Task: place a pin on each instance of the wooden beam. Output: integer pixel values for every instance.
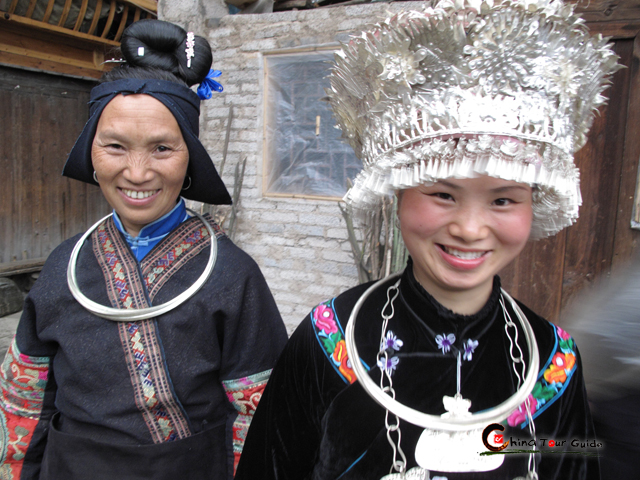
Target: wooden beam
(31, 8)
(616, 30)
(47, 12)
(29, 47)
(96, 17)
(23, 266)
(6, 20)
(81, 14)
(11, 60)
(42, 50)
(150, 6)
(123, 23)
(65, 13)
(594, 11)
(112, 12)
(12, 7)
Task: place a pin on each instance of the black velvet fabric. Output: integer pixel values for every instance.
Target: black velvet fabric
(229, 329)
(311, 424)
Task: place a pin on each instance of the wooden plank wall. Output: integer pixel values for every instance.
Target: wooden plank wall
(549, 273)
(42, 117)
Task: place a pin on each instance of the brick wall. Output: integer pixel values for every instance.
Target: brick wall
(300, 244)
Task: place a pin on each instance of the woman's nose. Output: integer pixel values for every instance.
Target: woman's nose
(469, 224)
(137, 170)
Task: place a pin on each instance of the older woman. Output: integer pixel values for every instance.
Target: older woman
(145, 344)
(470, 112)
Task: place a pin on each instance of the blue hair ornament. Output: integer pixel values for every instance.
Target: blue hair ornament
(209, 84)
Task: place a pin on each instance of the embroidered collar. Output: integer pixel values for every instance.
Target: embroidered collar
(151, 234)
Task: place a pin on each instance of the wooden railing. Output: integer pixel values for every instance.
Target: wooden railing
(69, 37)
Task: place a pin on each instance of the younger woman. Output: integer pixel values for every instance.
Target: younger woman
(471, 114)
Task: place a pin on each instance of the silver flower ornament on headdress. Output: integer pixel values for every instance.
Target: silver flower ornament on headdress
(466, 88)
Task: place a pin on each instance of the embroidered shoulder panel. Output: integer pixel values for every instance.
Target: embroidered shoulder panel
(187, 241)
(22, 383)
(330, 335)
(553, 379)
(244, 394)
(119, 267)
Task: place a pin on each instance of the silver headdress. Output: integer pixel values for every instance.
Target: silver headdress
(470, 87)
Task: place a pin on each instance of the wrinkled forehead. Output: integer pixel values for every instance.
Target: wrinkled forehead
(137, 110)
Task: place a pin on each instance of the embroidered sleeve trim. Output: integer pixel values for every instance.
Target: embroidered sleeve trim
(330, 335)
(22, 383)
(244, 394)
(553, 379)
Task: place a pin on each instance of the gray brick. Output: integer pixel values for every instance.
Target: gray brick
(340, 233)
(317, 219)
(337, 256)
(296, 252)
(312, 230)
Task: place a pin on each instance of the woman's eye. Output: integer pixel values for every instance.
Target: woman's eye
(442, 195)
(114, 146)
(502, 202)
(163, 149)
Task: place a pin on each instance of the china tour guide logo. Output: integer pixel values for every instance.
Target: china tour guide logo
(494, 441)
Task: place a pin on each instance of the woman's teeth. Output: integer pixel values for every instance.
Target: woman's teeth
(138, 195)
(463, 255)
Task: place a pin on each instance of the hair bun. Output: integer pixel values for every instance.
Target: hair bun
(164, 48)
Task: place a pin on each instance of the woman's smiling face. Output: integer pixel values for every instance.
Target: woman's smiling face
(140, 158)
(461, 232)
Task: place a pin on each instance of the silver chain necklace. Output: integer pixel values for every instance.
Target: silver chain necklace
(450, 442)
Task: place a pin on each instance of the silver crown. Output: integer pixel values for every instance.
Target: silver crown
(466, 88)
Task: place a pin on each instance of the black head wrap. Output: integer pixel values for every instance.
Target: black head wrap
(206, 185)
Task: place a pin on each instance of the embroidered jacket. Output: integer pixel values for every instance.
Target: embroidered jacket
(316, 422)
(169, 397)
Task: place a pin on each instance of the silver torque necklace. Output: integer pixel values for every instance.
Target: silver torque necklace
(133, 315)
(450, 442)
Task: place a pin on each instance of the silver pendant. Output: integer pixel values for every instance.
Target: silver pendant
(455, 451)
(415, 473)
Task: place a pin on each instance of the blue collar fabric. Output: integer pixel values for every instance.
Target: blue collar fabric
(150, 235)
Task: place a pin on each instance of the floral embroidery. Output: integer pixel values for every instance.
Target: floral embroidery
(391, 342)
(244, 394)
(22, 382)
(553, 379)
(561, 363)
(562, 334)
(387, 361)
(520, 415)
(446, 344)
(331, 337)
(469, 348)
(388, 364)
(445, 341)
(325, 319)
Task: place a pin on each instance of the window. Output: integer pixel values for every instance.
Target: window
(304, 153)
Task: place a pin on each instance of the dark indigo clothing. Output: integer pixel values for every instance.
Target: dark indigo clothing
(313, 423)
(162, 398)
